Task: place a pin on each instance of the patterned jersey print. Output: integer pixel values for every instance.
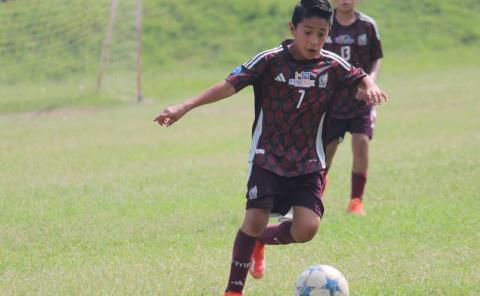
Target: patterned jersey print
(359, 44)
(291, 100)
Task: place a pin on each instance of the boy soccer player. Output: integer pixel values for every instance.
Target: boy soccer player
(293, 85)
(354, 36)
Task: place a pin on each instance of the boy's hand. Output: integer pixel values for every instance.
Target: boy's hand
(361, 95)
(171, 114)
(372, 95)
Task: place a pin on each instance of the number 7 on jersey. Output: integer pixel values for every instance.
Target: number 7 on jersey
(302, 94)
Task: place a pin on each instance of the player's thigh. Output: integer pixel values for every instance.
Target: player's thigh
(306, 191)
(305, 197)
(360, 144)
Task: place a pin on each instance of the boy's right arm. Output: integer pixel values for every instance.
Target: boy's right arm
(215, 93)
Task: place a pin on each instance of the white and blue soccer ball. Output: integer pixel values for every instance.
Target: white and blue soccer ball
(321, 280)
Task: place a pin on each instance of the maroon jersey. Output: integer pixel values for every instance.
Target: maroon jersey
(291, 99)
(359, 44)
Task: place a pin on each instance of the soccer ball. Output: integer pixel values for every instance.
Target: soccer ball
(321, 280)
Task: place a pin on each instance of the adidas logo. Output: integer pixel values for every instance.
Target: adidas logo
(280, 78)
(237, 283)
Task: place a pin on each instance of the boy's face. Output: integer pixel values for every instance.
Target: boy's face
(345, 5)
(310, 36)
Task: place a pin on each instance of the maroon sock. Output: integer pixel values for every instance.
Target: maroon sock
(358, 184)
(279, 234)
(242, 251)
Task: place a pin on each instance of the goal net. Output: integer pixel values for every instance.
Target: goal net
(59, 50)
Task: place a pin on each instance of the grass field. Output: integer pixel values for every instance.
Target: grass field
(97, 200)
(100, 201)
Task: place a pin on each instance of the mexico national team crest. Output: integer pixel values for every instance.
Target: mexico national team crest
(362, 39)
(323, 80)
(303, 79)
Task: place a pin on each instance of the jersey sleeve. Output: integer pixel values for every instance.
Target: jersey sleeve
(376, 51)
(248, 73)
(346, 74)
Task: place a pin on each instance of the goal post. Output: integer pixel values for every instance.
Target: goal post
(139, 68)
(56, 51)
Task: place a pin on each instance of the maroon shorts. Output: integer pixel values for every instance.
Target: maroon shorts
(362, 124)
(267, 190)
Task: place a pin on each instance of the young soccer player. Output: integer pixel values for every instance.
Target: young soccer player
(355, 37)
(293, 85)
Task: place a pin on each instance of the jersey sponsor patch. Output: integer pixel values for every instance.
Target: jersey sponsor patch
(303, 79)
(344, 39)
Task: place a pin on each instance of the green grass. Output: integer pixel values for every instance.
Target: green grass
(179, 33)
(97, 200)
(225, 31)
(100, 201)
(38, 97)
(50, 50)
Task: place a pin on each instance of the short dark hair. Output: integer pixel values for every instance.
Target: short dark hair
(309, 8)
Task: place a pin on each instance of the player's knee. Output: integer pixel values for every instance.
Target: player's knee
(253, 227)
(305, 232)
(254, 222)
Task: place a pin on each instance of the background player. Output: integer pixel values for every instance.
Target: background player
(355, 37)
(292, 85)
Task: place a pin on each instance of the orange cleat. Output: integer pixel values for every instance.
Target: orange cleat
(356, 207)
(257, 262)
(230, 293)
